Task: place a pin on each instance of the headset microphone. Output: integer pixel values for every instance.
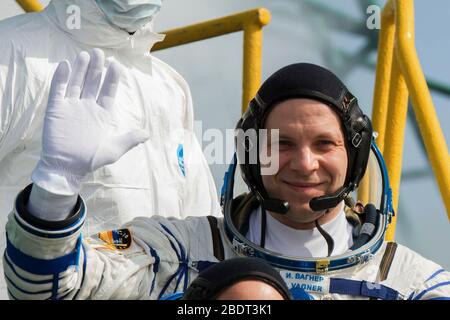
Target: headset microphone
(275, 205)
(330, 200)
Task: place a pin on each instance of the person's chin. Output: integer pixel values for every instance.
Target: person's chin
(301, 201)
(303, 212)
(302, 219)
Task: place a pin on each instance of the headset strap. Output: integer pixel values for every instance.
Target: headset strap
(217, 239)
(386, 262)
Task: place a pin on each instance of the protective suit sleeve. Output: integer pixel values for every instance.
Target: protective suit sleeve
(148, 258)
(22, 92)
(201, 199)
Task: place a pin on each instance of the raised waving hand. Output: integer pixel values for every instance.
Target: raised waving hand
(81, 130)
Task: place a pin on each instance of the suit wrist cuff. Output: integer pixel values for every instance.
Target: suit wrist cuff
(71, 224)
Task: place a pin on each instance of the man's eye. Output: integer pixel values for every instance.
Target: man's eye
(284, 144)
(325, 143)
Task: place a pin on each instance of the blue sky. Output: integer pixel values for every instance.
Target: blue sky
(213, 69)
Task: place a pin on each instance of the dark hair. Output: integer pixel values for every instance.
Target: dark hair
(220, 276)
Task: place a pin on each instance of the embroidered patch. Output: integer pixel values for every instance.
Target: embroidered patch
(116, 239)
(311, 283)
(180, 155)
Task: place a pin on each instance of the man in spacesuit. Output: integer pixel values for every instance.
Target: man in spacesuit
(300, 219)
(153, 178)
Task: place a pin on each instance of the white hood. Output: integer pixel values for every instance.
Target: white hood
(96, 31)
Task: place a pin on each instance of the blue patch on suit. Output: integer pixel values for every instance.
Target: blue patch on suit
(181, 159)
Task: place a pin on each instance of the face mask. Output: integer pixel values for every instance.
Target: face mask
(130, 15)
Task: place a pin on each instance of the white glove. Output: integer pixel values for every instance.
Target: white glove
(81, 132)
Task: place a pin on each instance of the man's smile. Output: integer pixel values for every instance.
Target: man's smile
(303, 186)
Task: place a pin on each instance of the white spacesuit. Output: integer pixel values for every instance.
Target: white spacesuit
(149, 258)
(154, 178)
(153, 257)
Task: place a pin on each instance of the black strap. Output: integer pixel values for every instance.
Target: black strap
(217, 239)
(328, 238)
(386, 262)
(262, 241)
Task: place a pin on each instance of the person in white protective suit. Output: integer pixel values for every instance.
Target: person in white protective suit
(299, 215)
(154, 178)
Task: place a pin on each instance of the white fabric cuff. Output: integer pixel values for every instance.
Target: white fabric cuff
(49, 206)
(57, 182)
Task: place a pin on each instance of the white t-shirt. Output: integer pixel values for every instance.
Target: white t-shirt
(302, 243)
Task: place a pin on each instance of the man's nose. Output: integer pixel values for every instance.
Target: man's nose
(304, 160)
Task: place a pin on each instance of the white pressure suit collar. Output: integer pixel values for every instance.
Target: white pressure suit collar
(95, 30)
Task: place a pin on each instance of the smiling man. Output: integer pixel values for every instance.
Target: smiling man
(299, 218)
(312, 159)
(313, 162)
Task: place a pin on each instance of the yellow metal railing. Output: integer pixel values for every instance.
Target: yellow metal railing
(250, 22)
(398, 74)
(30, 5)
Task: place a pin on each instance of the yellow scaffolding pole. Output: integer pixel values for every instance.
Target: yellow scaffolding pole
(399, 72)
(394, 134)
(30, 5)
(383, 74)
(250, 22)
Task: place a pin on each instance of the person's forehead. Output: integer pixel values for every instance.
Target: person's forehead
(301, 111)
